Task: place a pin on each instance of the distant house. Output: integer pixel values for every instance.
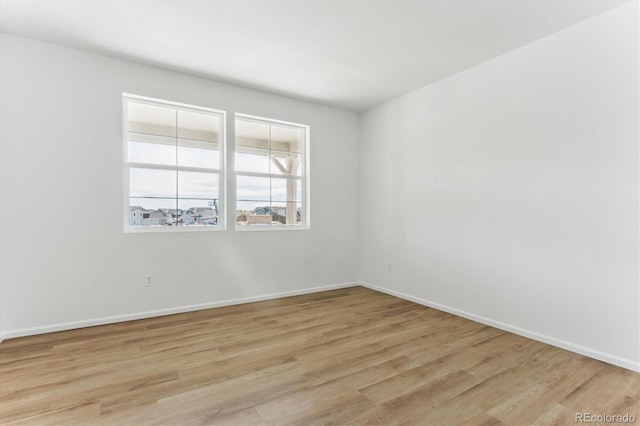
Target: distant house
(260, 211)
(266, 215)
(139, 216)
(157, 217)
(200, 216)
(136, 215)
(175, 214)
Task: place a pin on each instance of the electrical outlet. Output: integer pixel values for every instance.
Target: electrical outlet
(389, 266)
(147, 281)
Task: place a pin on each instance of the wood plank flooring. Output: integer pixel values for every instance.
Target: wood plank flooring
(351, 356)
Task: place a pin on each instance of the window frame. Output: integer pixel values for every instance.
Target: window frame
(304, 177)
(221, 171)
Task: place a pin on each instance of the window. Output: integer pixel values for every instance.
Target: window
(174, 166)
(271, 174)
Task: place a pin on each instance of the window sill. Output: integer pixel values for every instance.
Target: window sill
(171, 229)
(243, 228)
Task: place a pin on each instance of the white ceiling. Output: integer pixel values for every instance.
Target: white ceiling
(348, 54)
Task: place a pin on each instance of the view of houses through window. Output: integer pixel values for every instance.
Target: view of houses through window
(270, 173)
(175, 175)
(174, 164)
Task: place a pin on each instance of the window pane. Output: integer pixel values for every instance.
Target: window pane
(198, 212)
(197, 185)
(198, 154)
(252, 134)
(152, 212)
(152, 183)
(198, 126)
(253, 188)
(151, 119)
(289, 163)
(287, 139)
(255, 161)
(152, 153)
(286, 189)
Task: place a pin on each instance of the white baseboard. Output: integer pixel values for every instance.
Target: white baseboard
(168, 311)
(563, 344)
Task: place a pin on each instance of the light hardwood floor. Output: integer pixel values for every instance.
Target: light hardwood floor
(352, 356)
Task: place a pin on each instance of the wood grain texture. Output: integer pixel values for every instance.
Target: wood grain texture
(344, 357)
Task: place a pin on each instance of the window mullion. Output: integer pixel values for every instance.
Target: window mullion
(270, 179)
(269, 175)
(177, 172)
(171, 168)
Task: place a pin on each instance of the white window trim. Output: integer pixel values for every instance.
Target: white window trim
(305, 178)
(222, 177)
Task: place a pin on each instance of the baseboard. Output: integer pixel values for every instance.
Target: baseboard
(169, 311)
(563, 344)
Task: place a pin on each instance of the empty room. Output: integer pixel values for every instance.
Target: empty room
(319, 212)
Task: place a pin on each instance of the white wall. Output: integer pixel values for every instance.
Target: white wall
(61, 121)
(508, 193)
